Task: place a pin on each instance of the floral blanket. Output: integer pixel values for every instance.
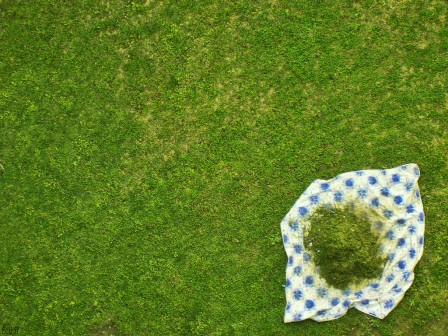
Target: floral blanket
(393, 193)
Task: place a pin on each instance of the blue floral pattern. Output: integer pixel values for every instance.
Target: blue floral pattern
(393, 194)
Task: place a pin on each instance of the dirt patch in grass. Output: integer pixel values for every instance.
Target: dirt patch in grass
(108, 328)
(344, 245)
(439, 327)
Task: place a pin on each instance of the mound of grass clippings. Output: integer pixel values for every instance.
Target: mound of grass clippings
(344, 246)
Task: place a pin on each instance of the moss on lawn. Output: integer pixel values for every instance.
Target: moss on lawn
(344, 246)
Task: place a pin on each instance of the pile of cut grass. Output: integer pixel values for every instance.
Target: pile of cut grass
(343, 245)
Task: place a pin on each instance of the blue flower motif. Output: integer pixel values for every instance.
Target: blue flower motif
(383, 172)
(334, 302)
(359, 294)
(409, 186)
(288, 283)
(372, 314)
(388, 304)
(421, 217)
(412, 229)
(288, 307)
(375, 203)
(378, 225)
(398, 200)
(391, 256)
(401, 242)
(294, 226)
(395, 178)
(390, 278)
(297, 270)
(346, 303)
(321, 312)
(346, 292)
(297, 317)
(322, 292)
(416, 171)
(306, 256)
(297, 294)
(359, 173)
(385, 192)
(396, 289)
(338, 197)
(349, 183)
(372, 180)
(388, 214)
(410, 209)
(420, 241)
(314, 199)
(390, 235)
(303, 211)
(401, 221)
(290, 260)
(309, 280)
(365, 302)
(324, 186)
(412, 253)
(417, 194)
(309, 304)
(402, 264)
(285, 238)
(375, 285)
(404, 167)
(406, 275)
(298, 248)
(362, 193)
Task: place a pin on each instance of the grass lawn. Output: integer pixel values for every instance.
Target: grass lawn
(149, 151)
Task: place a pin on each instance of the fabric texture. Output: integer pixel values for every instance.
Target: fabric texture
(394, 194)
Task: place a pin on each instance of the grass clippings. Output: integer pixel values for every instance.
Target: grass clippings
(344, 246)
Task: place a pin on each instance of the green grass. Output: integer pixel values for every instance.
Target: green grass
(151, 149)
(344, 245)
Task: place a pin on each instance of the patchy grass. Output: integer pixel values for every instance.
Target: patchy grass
(108, 328)
(150, 150)
(344, 245)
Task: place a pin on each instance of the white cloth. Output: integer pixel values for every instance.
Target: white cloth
(394, 193)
